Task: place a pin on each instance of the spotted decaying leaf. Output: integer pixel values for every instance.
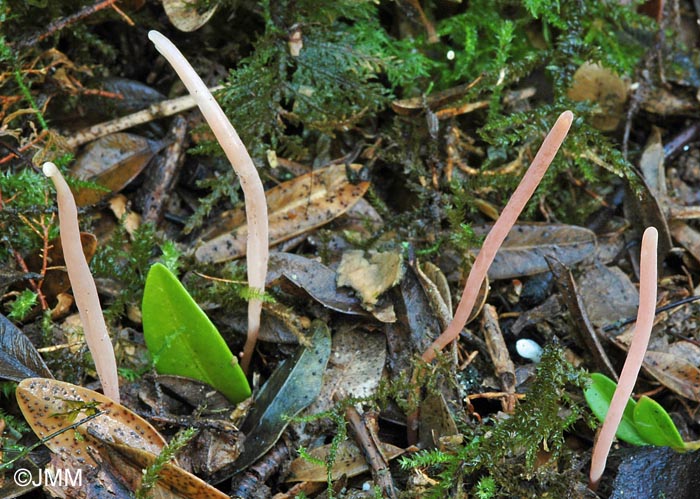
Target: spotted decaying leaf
(112, 162)
(294, 207)
(127, 441)
(131, 461)
(675, 373)
(349, 461)
(49, 406)
(355, 366)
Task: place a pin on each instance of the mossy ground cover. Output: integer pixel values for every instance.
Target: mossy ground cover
(443, 103)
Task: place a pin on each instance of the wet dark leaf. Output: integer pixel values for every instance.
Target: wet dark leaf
(112, 161)
(653, 472)
(136, 95)
(18, 357)
(647, 211)
(293, 386)
(316, 279)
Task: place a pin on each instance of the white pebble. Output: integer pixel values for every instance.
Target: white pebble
(529, 349)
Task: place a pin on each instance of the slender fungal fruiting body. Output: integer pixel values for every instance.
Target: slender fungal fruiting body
(635, 356)
(84, 289)
(255, 202)
(500, 230)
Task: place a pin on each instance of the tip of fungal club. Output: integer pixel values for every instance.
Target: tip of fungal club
(153, 35)
(49, 169)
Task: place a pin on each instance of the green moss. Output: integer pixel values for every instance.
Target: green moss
(127, 262)
(506, 450)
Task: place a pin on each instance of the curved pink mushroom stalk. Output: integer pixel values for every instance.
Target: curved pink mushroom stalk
(500, 230)
(83, 285)
(635, 356)
(255, 202)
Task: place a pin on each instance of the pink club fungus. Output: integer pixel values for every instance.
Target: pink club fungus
(635, 356)
(83, 285)
(255, 202)
(498, 233)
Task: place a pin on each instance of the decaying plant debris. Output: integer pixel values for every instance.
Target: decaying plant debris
(388, 137)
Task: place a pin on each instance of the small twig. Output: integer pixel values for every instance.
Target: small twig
(372, 452)
(153, 112)
(260, 472)
(17, 153)
(64, 22)
(502, 364)
(682, 139)
(157, 187)
(630, 320)
(429, 28)
(32, 283)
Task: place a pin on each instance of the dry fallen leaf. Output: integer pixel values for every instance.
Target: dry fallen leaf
(370, 277)
(608, 294)
(524, 250)
(185, 17)
(49, 405)
(294, 207)
(348, 461)
(117, 435)
(355, 366)
(603, 87)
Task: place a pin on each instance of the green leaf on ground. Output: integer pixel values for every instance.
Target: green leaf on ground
(599, 394)
(656, 426)
(182, 339)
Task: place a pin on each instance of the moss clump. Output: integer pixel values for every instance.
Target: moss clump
(506, 450)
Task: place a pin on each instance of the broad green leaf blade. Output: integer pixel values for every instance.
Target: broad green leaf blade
(599, 394)
(294, 385)
(182, 339)
(655, 425)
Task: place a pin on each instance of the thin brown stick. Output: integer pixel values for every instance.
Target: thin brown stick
(64, 22)
(372, 452)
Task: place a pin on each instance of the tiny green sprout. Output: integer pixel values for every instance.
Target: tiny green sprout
(22, 305)
(644, 422)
